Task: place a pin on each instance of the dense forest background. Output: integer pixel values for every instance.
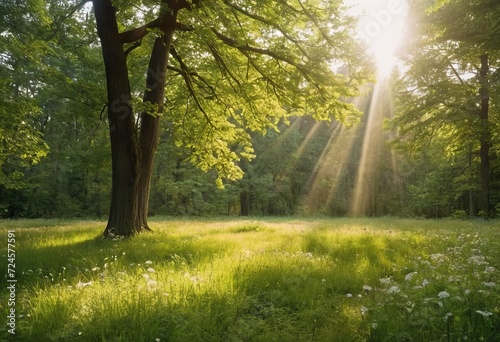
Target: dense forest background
(53, 95)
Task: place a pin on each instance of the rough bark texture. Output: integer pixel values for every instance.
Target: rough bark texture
(485, 136)
(125, 166)
(132, 157)
(150, 124)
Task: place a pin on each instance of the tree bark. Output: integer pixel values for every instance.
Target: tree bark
(150, 124)
(132, 156)
(485, 135)
(125, 167)
(244, 203)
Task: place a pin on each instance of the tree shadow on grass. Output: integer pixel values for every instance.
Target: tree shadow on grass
(69, 260)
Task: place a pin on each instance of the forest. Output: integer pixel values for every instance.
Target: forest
(421, 141)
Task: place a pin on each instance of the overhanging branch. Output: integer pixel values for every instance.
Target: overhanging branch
(187, 79)
(138, 33)
(244, 48)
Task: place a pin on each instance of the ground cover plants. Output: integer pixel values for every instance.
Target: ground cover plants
(257, 280)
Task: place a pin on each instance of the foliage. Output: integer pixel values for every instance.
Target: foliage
(447, 97)
(245, 68)
(21, 143)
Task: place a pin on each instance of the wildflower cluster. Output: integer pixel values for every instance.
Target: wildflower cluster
(452, 295)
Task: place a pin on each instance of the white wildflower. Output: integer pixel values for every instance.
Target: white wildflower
(489, 270)
(489, 284)
(81, 284)
(409, 276)
(484, 313)
(360, 295)
(349, 295)
(385, 281)
(437, 257)
(364, 310)
(478, 260)
(149, 262)
(425, 282)
(443, 294)
(151, 270)
(367, 288)
(393, 289)
(95, 269)
(448, 315)
(466, 292)
(151, 284)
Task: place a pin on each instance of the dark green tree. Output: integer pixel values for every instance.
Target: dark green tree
(450, 89)
(21, 143)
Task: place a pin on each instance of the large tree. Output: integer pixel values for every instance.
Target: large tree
(448, 90)
(232, 66)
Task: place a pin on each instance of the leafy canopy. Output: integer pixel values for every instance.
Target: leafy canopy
(242, 66)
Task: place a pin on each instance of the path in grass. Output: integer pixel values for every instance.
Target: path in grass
(257, 280)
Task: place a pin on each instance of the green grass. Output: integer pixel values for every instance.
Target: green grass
(257, 280)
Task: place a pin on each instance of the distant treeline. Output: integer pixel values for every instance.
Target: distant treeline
(296, 172)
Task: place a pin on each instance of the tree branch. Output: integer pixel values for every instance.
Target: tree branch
(455, 72)
(267, 22)
(247, 48)
(133, 47)
(72, 11)
(138, 33)
(189, 84)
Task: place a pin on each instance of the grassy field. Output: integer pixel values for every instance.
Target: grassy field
(255, 280)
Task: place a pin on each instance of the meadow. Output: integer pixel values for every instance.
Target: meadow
(378, 279)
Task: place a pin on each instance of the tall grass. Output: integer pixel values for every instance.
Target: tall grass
(258, 280)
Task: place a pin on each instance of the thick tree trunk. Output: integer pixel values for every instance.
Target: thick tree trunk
(132, 157)
(485, 136)
(150, 124)
(125, 166)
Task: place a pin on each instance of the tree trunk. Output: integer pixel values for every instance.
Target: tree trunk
(245, 202)
(125, 163)
(132, 157)
(471, 186)
(485, 136)
(150, 124)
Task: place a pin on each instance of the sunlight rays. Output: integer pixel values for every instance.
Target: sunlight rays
(359, 157)
(366, 178)
(356, 165)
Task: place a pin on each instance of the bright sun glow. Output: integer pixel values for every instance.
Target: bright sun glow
(381, 26)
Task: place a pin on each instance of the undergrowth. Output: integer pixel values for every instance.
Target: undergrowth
(248, 280)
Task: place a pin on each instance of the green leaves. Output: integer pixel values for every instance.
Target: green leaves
(440, 99)
(244, 66)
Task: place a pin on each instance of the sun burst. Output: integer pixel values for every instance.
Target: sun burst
(381, 27)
